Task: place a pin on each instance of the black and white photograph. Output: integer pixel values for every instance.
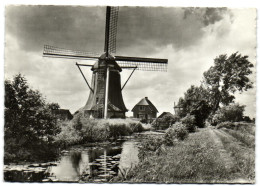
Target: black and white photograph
(129, 94)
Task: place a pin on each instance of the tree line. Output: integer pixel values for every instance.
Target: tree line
(30, 126)
(215, 95)
(213, 100)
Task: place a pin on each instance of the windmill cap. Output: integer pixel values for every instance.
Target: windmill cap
(103, 61)
(103, 56)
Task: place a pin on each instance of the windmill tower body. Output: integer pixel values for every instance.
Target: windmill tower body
(96, 102)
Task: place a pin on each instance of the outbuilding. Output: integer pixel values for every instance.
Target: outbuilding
(145, 110)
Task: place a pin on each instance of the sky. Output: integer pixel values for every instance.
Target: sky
(190, 38)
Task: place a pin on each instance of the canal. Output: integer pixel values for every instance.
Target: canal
(95, 163)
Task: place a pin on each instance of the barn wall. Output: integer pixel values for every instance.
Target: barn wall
(150, 115)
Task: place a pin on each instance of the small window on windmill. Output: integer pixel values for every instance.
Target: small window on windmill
(96, 100)
(141, 108)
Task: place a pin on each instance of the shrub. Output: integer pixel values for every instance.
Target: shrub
(165, 122)
(68, 135)
(227, 125)
(143, 120)
(156, 123)
(136, 127)
(94, 130)
(189, 122)
(116, 130)
(233, 113)
(177, 131)
(247, 119)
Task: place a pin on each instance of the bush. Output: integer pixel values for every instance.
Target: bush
(232, 113)
(189, 122)
(68, 135)
(117, 130)
(165, 122)
(227, 125)
(136, 127)
(177, 131)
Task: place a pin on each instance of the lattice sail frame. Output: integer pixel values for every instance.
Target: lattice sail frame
(67, 53)
(113, 29)
(145, 66)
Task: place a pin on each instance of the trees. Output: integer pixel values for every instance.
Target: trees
(195, 102)
(29, 123)
(228, 75)
(232, 113)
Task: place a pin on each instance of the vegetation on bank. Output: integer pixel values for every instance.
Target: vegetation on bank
(33, 133)
(30, 127)
(241, 146)
(244, 132)
(81, 130)
(196, 159)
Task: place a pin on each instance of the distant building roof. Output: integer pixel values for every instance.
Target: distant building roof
(165, 114)
(64, 112)
(146, 102)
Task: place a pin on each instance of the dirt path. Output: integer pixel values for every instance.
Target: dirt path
(225, 156)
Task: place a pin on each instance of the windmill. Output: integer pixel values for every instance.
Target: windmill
(105, 97)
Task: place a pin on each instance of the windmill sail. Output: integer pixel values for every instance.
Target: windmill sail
(51, 51)
(111, 29)
(105, 98)
(146, 64)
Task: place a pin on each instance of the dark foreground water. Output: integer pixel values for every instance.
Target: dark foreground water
(98, 163)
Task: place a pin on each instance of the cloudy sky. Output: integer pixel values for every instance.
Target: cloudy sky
(190, 38)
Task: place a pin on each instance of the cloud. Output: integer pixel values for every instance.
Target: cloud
(190, 38)
(187, 65)
(149, 29)
(82, 28)
(64, 26)
(58, 79)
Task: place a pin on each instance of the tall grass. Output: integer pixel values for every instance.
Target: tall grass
(239, 126)
(194, 160)
(243, 132)
(81, 130)
(68, 135)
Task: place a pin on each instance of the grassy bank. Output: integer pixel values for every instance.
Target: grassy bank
(239, 139)
(81, 130)
(243, 132)
(197, 159)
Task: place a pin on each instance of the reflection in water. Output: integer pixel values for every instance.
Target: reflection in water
(129, 155)
(96, 164)
(65, 171)
(87, 164)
